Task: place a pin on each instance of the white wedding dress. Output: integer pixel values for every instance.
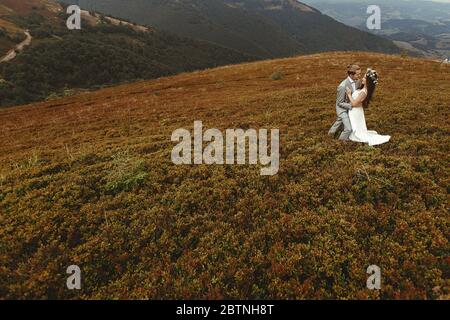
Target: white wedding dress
(359, 127)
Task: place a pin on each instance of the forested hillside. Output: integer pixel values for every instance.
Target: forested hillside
(61, 61)
(266, 29)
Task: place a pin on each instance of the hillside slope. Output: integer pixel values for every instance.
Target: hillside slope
(267, 29)
(88, 180)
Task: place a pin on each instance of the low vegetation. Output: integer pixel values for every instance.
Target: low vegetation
(88, 180)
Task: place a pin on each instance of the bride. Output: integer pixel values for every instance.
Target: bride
(360, 99)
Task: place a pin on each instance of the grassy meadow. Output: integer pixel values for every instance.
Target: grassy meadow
(88, 180)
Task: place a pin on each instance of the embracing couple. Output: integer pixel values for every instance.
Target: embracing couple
(353, 96)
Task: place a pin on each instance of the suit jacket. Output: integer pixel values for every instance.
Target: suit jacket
(343, 104)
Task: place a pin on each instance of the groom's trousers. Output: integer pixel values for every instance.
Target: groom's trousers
(342, 108)
(342, 120)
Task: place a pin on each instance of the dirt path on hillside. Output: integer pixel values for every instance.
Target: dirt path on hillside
(13, 52)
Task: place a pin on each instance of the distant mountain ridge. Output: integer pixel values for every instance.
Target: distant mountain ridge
(420, 27)
(267, 29)
(423, 37)
(353, 12)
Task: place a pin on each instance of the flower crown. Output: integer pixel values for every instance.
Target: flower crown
(373, 75)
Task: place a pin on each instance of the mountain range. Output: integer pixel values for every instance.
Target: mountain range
(420, 27)
(87, 179)
(353, 12)
(152, 38)
(267, 29)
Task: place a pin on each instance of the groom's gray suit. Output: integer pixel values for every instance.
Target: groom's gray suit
(343, 106)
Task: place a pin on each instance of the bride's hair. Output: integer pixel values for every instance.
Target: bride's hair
(371, 82)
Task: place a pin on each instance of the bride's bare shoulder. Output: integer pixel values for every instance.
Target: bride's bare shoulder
(362, 92)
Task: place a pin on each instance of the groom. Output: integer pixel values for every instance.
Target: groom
(343, 104)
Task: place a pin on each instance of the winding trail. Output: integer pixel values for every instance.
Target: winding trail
(13, 52)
